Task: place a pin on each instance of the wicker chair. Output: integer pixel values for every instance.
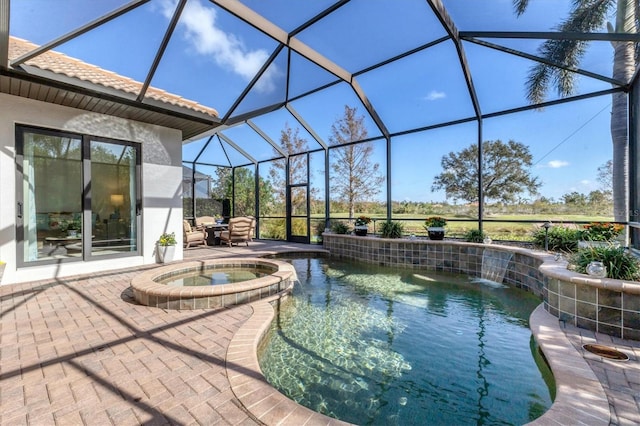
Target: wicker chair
(204, 221)
(240, 230)
(193, 236)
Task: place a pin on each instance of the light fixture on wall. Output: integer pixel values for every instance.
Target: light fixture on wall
(117, 200)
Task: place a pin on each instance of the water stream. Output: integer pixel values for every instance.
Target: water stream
(494, 265)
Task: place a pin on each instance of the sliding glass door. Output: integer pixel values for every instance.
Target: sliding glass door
(77, 196)
(50, 208)
(113, 198)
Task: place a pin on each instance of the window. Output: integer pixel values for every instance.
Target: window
(78, 196)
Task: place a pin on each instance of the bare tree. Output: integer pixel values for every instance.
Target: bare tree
(354, 177)
(291, 142)
(605, 176)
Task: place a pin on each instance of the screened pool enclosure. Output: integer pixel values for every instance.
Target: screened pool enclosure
(497, 115)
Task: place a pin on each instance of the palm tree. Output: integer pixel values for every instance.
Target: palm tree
(589, 16)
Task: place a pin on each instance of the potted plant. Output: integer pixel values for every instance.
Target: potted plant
(360, 225)
(599, 234)
(435, 227)
(166, 247)
(73, 227)
(2, 266)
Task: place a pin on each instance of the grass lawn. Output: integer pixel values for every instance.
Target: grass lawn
(498, 227)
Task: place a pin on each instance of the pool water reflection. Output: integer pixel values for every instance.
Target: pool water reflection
(214, 277)
(373, 345)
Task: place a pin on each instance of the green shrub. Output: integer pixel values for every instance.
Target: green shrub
(600, 231)
(620, 264)
(474, 236)
(391, 229)
(560, 238)
(340, 227)
(319, 226)
(273, 229)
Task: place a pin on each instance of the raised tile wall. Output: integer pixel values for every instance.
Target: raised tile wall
(604, 305)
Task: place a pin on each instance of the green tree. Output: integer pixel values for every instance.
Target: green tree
(222, 185)
(244, 199)
(590, 16)
(598, 199)
(354, 176)
(505, 173)
(542, 205)
(244, 195)
(575, 199)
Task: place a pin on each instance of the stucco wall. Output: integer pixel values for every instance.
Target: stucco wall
(161, 181)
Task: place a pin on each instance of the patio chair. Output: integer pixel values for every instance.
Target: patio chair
(204, 221)
(193, 236)
(240, 230)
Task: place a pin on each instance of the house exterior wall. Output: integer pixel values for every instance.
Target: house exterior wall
(161, 181)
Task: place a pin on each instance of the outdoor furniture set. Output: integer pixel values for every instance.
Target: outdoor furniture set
(210, 231)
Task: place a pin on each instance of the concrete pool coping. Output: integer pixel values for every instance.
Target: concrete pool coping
(580, 397)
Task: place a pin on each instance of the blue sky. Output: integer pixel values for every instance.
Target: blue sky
(213, 55)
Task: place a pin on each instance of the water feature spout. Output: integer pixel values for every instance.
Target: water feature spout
(494, 264)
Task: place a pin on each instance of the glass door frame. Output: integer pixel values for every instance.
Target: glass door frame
(304, 239)
(136, 204)
(85, 143)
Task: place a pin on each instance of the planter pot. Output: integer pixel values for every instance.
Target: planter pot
(165, 253)
(436, 232)
(361, 230)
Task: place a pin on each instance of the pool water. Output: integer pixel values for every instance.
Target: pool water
(372, 345)
(214, 277)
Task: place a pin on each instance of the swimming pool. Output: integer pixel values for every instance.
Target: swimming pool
(372, 345)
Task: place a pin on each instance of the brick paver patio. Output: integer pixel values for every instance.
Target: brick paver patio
(79, 350)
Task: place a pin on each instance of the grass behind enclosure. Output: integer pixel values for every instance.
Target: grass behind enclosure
(514, 231)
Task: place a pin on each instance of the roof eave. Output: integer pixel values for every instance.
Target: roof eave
(151, 111)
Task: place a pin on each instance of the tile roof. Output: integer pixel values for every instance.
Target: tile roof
(60, 63)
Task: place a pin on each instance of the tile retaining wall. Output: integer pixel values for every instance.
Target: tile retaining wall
(604, 305)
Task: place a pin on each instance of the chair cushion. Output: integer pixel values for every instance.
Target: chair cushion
(194, 236)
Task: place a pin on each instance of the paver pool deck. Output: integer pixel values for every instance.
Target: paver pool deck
(79, 350)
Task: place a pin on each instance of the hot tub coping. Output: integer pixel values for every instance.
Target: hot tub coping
(149, 292)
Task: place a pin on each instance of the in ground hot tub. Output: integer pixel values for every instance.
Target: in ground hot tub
(274, 277)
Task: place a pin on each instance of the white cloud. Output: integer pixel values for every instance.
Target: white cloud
(585, 182)
(199, 24)
(434, 95)
(556, 164)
